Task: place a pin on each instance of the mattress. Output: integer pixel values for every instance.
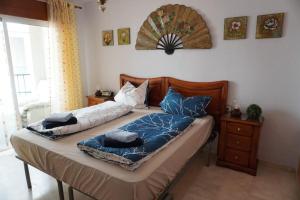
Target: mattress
(101, 180)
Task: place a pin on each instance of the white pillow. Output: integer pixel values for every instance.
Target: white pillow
(133, 96)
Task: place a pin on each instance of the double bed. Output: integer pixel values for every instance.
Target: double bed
(62, 159)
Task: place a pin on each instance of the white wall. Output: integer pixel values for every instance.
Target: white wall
(82, 31)
(265, 72)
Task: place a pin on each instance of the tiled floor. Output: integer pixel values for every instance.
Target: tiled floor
(198, 183)
(217, 183)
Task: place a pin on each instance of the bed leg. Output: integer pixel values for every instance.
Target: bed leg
(60, 190)
(209, 154)
(71, 193)
(27, 175)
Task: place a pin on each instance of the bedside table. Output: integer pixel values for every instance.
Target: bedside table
(238, 144)
(92, 100)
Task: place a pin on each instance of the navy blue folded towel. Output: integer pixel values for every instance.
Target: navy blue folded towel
(108, 142)
(52, 124)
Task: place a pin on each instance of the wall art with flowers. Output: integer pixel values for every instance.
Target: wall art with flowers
(124, 36)
(269, 26)
(235, 28)
(108, 38)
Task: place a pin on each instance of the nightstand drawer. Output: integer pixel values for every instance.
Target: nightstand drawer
(92, 102)
(240, 129)
(237, 157)
(238, 142)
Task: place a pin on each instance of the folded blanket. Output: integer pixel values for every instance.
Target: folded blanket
(52, 124)
(59, 117)
(108, 142)
(156, 130)
(87, 118)
(122, 136)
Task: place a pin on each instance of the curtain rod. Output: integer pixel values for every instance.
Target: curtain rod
(75, 6)
(78, 7)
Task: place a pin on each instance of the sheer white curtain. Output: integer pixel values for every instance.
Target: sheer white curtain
(9, 113)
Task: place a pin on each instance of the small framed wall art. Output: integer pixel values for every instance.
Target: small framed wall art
(235, 28)
(124, 36)
(269, 26)
(108, 38)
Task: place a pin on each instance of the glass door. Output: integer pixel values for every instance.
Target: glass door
(29, 51)
(30, 60)
(3, 139)
(9, 115)
(24, 90)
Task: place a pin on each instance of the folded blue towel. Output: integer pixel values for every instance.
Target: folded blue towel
(122, 136)
(59, 117)
(107, 142)
(49, 125)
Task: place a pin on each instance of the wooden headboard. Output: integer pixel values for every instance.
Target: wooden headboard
(159, 87)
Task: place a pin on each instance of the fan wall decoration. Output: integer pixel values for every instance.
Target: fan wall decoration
(173, 27)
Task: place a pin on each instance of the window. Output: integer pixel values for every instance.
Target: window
(29, 51)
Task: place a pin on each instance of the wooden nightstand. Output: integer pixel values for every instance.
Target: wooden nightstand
(92, 100)
(238, 144)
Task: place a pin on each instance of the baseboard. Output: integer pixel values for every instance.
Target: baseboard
(267, 163)
(278, 166)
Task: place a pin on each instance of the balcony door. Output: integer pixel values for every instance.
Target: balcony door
(24, 91)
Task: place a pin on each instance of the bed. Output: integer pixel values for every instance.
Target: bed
(101, 180)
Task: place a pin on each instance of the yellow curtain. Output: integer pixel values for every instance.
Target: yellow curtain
(66, 85)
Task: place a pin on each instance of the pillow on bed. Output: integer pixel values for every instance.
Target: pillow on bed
(176, 104)
(130, 95)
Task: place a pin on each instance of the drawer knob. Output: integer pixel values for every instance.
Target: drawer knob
(236, 157)
(238, 129)
(238, 142)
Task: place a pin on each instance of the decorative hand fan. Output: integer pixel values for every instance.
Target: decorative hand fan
(173, 27)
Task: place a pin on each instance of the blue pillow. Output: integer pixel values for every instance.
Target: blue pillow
(176, 104)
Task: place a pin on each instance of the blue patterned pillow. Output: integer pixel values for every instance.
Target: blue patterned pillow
(176, 104)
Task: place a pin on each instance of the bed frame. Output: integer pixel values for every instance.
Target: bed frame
(158, 88)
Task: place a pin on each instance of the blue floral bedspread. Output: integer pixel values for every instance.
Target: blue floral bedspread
(155, 129)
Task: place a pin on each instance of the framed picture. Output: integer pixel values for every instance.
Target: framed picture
(108, 38)
(124, 36)
(235, 28)
(269, 26)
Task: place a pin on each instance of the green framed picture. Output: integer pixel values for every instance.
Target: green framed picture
(269, 26)
(124, 36)
(108, 38)
(235, 28)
